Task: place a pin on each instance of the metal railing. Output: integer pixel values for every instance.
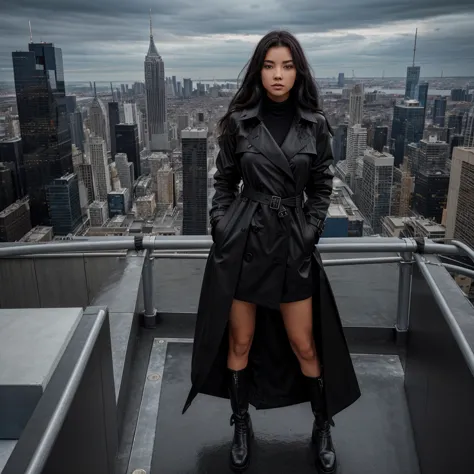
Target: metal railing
(197, 247)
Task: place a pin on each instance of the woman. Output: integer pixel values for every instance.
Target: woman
(267, 321)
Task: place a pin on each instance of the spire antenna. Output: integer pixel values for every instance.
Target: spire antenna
(31, 33)
(414, 48)
(151, 27)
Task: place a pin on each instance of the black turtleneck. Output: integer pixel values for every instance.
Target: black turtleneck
(278, 117)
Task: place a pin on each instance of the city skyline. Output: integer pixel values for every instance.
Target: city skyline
(109, 42)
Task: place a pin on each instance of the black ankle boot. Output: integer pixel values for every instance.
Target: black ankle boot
(238, 390)
(324, 453)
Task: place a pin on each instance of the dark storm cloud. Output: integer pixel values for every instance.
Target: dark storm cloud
(109, 37)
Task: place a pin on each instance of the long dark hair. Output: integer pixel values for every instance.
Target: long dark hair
(304, 91)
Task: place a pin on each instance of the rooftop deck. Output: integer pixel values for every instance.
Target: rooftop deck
(409, 327)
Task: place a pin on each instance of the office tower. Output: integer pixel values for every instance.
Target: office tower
(7, 189)
(356, 145)
(118, 202)
(64, 204)
(460, 206)
(100, 168)
(155, 97)
(133, 115)
(183, 122)
(40, 94)
(98, 120)
(146, 206)
(77, 129)
(376, 195)
(340, 142)
(380, 138)
(407, 127)
(15, 221)
(432, 154)
(165, 190)
(71, 104)
(340, 80)
(468, 129)
(439, 111)
(413, 78)
(125, 171)
(431, 192)
(423, 97)
(126, 136)
(180, 89)
(195, 215)
(454, 122)
(412, 156)
(188, 88)
(456, 140)
(144, 186)
(114, 119)
(11, 155)
(175, 88)
(98, 213)
(356, 105)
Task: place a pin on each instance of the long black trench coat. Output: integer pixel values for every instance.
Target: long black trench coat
(280, 248)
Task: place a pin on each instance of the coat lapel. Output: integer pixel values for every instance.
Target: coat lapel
(296, 139)
(262, 140)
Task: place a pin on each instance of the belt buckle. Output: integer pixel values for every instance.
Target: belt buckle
(275, 202)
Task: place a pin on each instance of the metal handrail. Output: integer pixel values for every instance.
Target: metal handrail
(48, 438)
(343, 245)
(447, 313)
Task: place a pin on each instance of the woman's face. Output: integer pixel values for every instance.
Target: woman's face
(278, 73)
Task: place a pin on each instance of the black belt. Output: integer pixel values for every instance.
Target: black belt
(274, 202)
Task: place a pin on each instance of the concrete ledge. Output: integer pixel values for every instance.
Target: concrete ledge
(32, 342)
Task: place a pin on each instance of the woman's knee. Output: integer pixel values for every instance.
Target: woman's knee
(304, 349)
(240, 344)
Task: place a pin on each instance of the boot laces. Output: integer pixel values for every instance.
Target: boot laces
(240, 423)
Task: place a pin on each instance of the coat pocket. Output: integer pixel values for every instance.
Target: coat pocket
(221, 225)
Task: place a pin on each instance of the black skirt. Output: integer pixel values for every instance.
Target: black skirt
(294, 289)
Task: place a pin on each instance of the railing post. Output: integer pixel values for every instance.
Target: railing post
(149, 316)
(404, 293)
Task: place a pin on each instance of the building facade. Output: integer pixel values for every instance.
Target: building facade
(195, 212)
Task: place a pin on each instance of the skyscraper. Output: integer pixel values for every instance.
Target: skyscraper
(64, 204)
(439, 111)
(127, 141)
(431, 192)
(77, 129)
(98, 119)
(356, 105)
(468, 129)
(407, 127)
(413, 78)
(356, 145)
(376, 198)
(460, 206)
(114, 119)
(40, 92)
(423, 97)
(195, 215)
(100, 168)
(155, 97)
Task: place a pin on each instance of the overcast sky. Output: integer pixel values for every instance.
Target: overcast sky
(108, 39)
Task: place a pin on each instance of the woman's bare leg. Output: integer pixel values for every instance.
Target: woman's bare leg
(241, 330)
(298, 320)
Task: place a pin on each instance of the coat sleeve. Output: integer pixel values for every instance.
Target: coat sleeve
(228, 175)
(319, 185)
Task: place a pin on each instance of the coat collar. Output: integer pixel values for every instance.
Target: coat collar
(254, 111)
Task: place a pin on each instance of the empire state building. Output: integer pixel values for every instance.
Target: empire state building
(155, 97)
